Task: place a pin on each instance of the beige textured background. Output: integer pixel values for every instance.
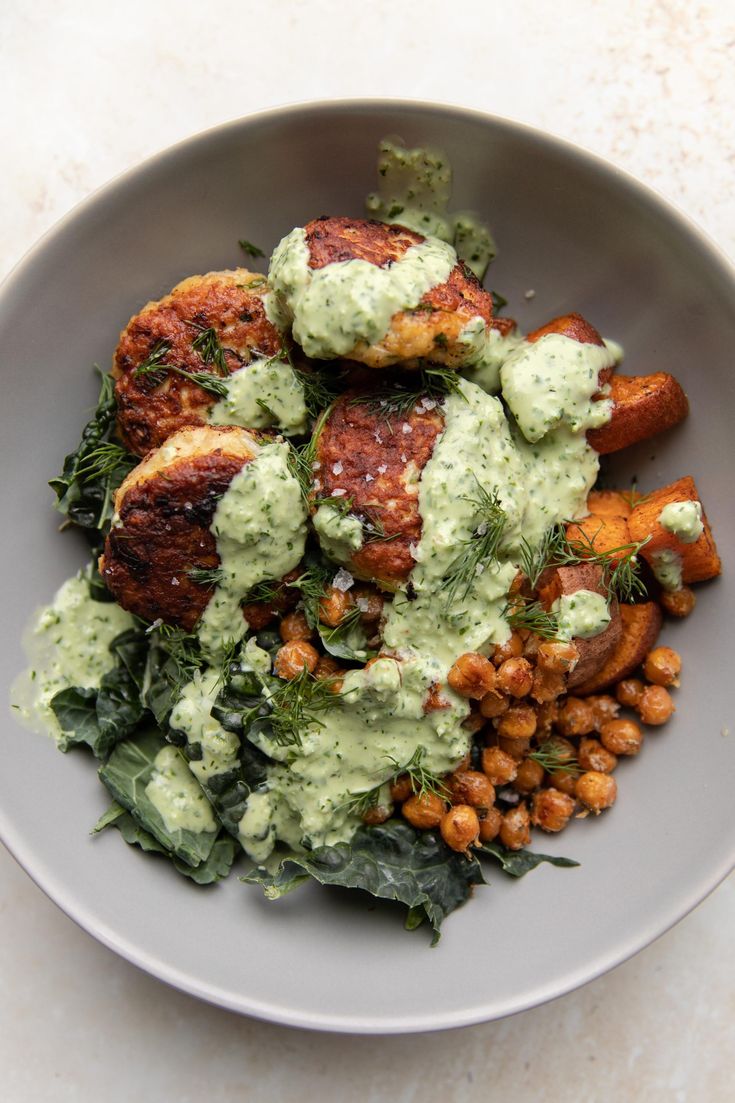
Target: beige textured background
(89, 90)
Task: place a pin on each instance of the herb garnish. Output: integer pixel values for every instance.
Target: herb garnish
(555, 757)
(249, 248)
(295, 705)
(532, 616)
(619, 565)
(154, 367)
(432, 382)
(423, 782)
(481, 548)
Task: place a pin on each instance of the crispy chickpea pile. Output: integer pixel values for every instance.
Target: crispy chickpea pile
(540, 755)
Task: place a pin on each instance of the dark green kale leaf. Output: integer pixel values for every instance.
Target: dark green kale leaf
(126, 774)
(91, 474)
(519, 862)
(392, 861)
(172, 660)
(101, 718)
(214, 868)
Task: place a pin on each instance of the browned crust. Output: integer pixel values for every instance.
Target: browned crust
(163, 534)
(414, 335)
(149, 413)
(362, 439)
(643, 405)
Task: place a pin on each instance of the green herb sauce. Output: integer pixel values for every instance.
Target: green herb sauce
(583, 614)
(67, 644)
(263, 394)
(260, 529)
(683, 520)
(175, 794)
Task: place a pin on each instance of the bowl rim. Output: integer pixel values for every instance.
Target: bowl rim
(53, 886)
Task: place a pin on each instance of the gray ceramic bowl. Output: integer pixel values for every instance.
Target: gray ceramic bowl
(585, 237)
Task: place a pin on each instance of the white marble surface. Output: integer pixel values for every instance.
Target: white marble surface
(91, 89)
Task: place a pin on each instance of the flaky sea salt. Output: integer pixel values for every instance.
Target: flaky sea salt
(343, 580)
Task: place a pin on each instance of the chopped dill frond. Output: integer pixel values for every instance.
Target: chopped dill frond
(534, 617)
(554, 757)
(206, 576)
(249, 248)
(296, 704)
(481, 548)
(207, 344)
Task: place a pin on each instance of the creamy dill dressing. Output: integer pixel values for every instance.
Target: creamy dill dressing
(260, 529)
(339, 533)
(67, 644)
(666, 566)
(414, 188)
(220, 749)
(332, 309)
(552, 381)
(263, 394)
(583, 614)
(683, 520)
(487, 351)
(176, 796)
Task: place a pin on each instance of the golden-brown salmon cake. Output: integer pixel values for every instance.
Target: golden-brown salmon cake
(174, 330)
(161, 533)
(371, 458)
(431, 330)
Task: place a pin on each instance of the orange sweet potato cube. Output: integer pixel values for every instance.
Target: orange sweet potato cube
(699, 560)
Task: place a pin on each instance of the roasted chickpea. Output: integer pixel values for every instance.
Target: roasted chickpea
(499, 766)
(596, 791)
(679, 603)
(546, 686)
(334, 606)
(529, 777)
(546, 714)
(515, 677)
(514, 830)
(424, 811)
(518, 722)
(576, 717)
(604, 708)
(379, 814)
(621, 737)
(460, 827)
(494, 704)
(531, 646)
(474, 723)
(629, 692)
(516, 748)
(562, 749)
(511, 649)
(593, 756)
(565, 781)
(472, 675)
(327, 667)
(293, 658)
(295, 626)
(662, 666)
(370, 603)
(490, 824)
(655, 705)
(401, 789)
(551, 809)
(557, 657)
(473, 788)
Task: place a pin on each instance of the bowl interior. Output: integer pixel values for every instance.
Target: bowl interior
(582, 237)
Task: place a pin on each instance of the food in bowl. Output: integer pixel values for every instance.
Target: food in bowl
(367, 600)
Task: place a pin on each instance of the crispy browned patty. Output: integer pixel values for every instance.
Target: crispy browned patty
(429, 332)
(231, 303)
(165, 507)
(377, 458)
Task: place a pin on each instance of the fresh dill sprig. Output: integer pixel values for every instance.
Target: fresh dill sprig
(339, 632)
(107, 458)
(555, 757)
(433, 382)
(207, 344)
(619, 565)
(319, 390)
(533, 616)
(154, 368)
(481, 548)
(301, 458)
(374, 530)
(312, 586)
(206, 576)
(229, 651)
(296, 704)
(249, 248)
(423, 782)
(263, 593)
(183, 648)
(342, 503)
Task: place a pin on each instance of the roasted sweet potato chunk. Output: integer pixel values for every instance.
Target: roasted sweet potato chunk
(599, 535)
(640, 625)
(593, 652)
(643, 405)
(699, 560)
(610, 503)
